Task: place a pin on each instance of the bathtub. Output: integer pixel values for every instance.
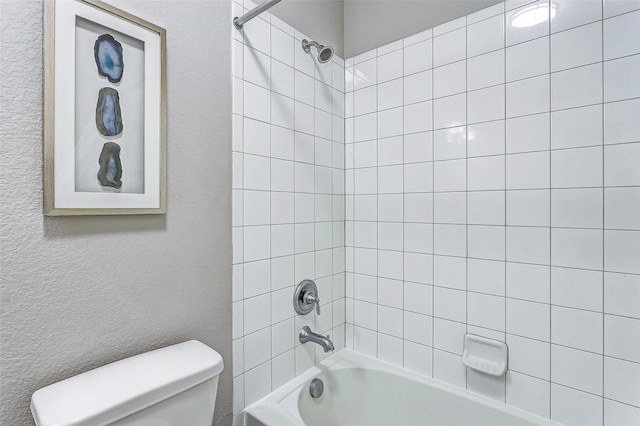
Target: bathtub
(359, 390)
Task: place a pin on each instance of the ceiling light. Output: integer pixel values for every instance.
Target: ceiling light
(533, 15)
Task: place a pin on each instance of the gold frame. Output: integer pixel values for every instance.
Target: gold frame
(49, 115)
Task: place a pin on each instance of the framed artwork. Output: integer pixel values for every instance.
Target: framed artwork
(104, 111)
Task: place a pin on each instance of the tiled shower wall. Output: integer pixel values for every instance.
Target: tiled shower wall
(288, 202)
(493, 187)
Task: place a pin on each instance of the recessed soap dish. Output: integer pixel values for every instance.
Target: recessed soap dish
(485, 355)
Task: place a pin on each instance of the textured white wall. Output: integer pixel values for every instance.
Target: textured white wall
(81, 292)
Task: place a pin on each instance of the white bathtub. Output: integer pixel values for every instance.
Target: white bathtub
(359, 390)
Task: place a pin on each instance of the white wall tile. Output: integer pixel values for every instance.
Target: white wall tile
(450, 272)
(365, 74)
(450, 240)
(486, 208)
(418, 358)
(449, 368)
(390, 122)
(621, 380)
(577, 288)
(528, 208)
(417, 328)
(418, 117)
(417, 57)
(450, 47)
(528, 133)
(529, 96)
(529, 356)
(521, 34)
(486, 70)
(449, 175)
(418, 147)
(577, 328)
(528, 171)
(416, 87)
(486, 311)
(570, 14)
(418, 298)
(621, 78)
(620, 251)
(486, 104)
(621, 35)
(576, 248)
(573, 407)
(528, 393)
(450, 207)
(576, 127)
(486, 173)
(447, 112)
(449, 304)
(485, 36)
(528, 319)
(576, 87)
(450, 79)
(576, 47)
(390, 66)
(448, 335)
(528, 59)
(577, 208)
(365, 101)
(617, 7)
(620, 165)
(616, 413)
(527, 282)
(486, 242)
(617, 341)
(622, 294)
(486, 138)
(577, 369)
(449, 144)
(390, 94)
(619, 125)
(486, 276)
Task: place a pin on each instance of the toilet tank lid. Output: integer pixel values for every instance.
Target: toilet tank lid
(116, 390)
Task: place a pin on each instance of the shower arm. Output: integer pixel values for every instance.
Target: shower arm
(239, 22)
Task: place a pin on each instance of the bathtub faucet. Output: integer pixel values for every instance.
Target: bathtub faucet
(306, 335)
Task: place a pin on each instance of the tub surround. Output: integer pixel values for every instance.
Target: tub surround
(490, 189)
(288, 203)
(492, 182)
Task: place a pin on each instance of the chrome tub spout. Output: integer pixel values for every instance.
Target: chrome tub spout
(306, 335)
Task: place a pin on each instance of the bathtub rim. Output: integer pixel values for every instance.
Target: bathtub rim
(280, 407)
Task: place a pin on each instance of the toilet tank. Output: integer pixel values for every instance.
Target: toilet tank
(172, 386)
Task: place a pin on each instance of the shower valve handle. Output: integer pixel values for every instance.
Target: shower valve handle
(311, 298)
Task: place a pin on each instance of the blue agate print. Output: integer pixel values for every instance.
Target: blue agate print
(110, 166)
(108, 114)
(108, 54)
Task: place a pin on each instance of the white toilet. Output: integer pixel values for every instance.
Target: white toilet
(172, 386)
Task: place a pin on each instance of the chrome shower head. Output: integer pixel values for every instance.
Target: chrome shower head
(325, 53)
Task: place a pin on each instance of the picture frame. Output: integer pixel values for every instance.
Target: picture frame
(104, 111)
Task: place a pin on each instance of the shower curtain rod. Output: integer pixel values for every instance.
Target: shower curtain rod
(239, 22)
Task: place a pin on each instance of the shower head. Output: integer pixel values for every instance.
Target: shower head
(325, 53)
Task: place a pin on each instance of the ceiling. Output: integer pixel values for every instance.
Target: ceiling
(372, 23)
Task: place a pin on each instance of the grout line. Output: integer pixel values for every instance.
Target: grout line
(504, 290)
(603, 210)
(550, 207)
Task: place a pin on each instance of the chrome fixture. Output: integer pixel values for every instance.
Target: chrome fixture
(325, 53)
(316, 387)
(306, 297)
(239, 22)
(306, 335)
